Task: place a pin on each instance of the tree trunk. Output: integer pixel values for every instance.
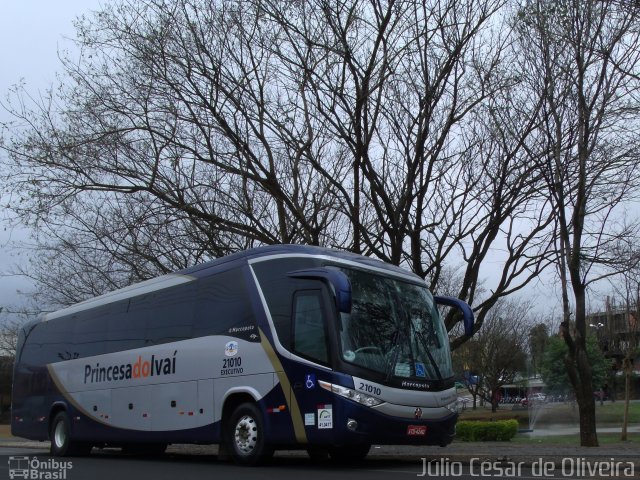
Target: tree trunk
(588, 434)
(584, 392)
(627, 395)
(579, 370)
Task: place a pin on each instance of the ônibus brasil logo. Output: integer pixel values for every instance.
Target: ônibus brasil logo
(126, 371)
(32, 468)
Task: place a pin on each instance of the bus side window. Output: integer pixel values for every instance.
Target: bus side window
(222, 305)
(309, 333)
(169, 314)
(89, 333)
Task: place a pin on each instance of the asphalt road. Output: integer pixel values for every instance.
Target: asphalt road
(112, 465)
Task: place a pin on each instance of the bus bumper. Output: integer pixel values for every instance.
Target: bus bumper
(357, 424)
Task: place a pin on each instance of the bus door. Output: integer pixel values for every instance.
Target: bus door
(312, 324)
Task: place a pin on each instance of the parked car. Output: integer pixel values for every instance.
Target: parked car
(538, 397)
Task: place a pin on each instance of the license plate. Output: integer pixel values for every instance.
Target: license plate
(416, 430)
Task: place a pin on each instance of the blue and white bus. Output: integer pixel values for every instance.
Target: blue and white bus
(276, 347)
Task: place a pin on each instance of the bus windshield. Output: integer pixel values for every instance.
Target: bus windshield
(394, 328)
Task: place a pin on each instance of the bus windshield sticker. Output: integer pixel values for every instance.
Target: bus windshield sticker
(309, 419)
(325, 416)
(420, 370)
(310, 381)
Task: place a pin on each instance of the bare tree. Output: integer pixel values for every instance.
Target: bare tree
(10, 323)
(175, 139)
(582, 59)
(497, 353)
(422, 98)
(629, 290)
(260, 122)
(187, 130)
(631, 350)
(538, 337)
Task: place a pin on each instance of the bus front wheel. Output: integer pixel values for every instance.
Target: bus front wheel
(61, 443)
(246, 436)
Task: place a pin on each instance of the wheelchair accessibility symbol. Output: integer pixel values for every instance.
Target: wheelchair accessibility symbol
(310, 381)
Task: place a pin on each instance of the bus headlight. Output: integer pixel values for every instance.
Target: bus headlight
(453, 407)
(351, 394)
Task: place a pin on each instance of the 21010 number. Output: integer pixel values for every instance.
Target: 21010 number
(365, 387)
(232, 362)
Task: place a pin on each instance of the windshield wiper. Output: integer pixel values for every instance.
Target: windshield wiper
(402, 328)
(396, 352)
(425, 346)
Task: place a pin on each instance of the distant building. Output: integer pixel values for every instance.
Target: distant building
(618, 332)
(522, 387)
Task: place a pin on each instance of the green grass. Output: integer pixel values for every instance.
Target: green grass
(614, 412)
(557, 413)
(484, 414)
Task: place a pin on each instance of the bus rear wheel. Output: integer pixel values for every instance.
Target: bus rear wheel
(246, 436)
(60, 435)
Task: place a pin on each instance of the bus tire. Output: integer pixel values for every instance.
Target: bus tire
(60, 435)
(246, 436)
(352, 453)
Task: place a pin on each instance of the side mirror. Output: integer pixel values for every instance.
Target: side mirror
(337, 279)
(467, 314)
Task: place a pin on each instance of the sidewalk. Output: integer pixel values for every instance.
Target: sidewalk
(511, 452)
(572, 429)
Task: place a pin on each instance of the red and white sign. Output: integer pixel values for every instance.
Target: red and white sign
(417, 430)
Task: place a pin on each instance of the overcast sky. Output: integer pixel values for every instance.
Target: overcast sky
(31, 33)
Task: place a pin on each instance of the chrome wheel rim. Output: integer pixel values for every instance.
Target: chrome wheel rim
(246, 435)
(59, 435)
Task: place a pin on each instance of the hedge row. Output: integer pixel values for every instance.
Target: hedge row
(501, 431)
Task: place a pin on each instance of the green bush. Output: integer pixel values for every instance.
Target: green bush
(499, 431)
